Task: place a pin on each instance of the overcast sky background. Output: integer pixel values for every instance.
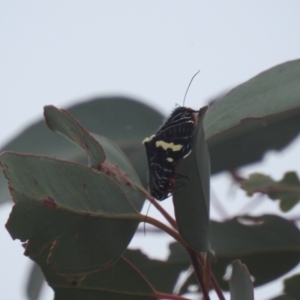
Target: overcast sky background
(62, 52)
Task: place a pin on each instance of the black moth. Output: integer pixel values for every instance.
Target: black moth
(171, 143)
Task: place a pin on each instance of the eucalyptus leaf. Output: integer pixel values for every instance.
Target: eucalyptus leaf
(74, 208)
(287, 190)
(104, 155)
(269, 246)
(292, 286)
(258, 115)
(161, 274)
(104, 116)
(241, 287)
(120, 281)
(191, 193)
(62, 122)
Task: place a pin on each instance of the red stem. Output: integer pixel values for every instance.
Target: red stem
(169, 296)
(214, 282)
(158, 207)
(193, 257)
(158, 294)
(173, 233)
(193, 254)
(236, 176)
(162, 211)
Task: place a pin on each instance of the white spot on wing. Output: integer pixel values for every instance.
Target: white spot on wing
(187, 154)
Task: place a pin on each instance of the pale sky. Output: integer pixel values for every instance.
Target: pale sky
(61, 52)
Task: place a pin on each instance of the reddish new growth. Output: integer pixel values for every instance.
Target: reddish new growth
(49, 202)
(114, 171)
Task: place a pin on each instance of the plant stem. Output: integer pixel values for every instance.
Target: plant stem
(214, 282)
(178, 238)
(207, 271)
(164, 213)
(158, 294)
(170, 296)
(195, 262)
(160, 209)
(163, 227)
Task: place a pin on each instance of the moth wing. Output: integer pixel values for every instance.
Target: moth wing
(159, 181)
(174, 143)
(178, 116)
(159, 172)
(164, 151)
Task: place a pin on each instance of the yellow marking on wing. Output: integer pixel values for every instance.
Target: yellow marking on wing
(147, 140)
(166, 146)
(170, 159)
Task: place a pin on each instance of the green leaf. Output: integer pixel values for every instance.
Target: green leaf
(122, 120)
(287, 190)
(103, 153)
(269, 246)
(62, 122)
(161, 274)
(83, 214)
(191, 193)
(240, 283)
(258, 115)
(119, 282)
(292, 286)
(118, 167)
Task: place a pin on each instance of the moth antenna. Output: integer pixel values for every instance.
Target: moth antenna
(146, 219)
(189, 86)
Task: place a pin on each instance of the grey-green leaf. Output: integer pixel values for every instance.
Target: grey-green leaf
(104, 155)
(287, 190)
(258, 115)
(240, 283)
(62, 122)
(191, 193)
(161, 274)
(123, 120)
(82, 213)
(292, 286)
(118, 282)
(269, 245)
